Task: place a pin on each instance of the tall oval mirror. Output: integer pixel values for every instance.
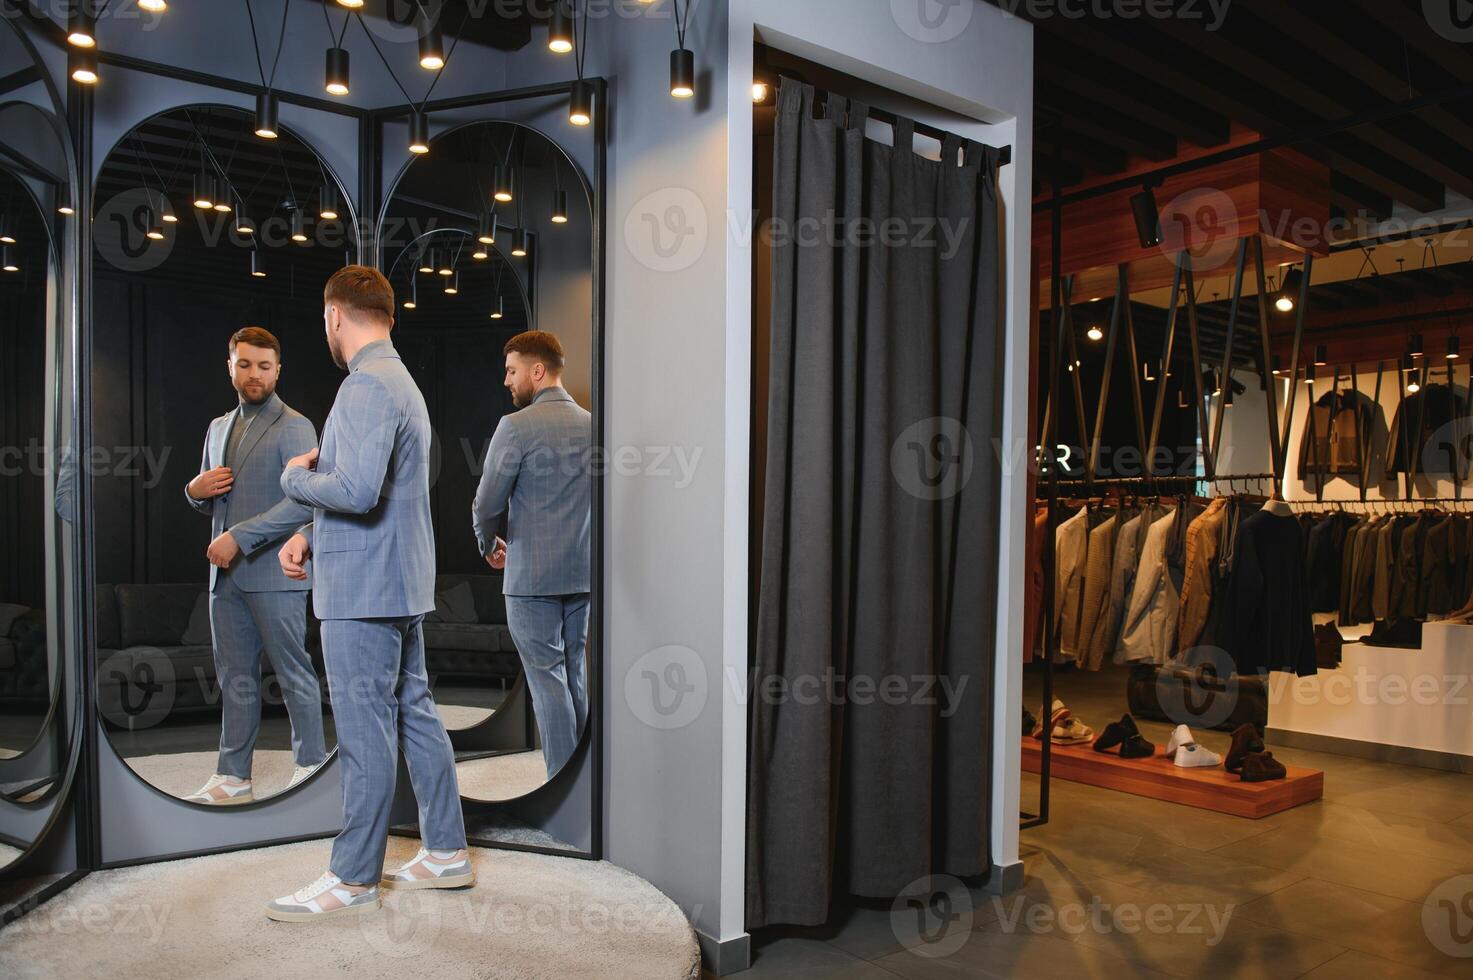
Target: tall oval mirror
(37, 505)
(487, 239)
(209, 373)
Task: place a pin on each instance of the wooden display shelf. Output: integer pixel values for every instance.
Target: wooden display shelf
(1159, 779)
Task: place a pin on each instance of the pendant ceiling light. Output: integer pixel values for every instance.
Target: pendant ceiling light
(499, 309)
(560, 29)
(519, 243)
(427, 262)
(411, 301)
(481, 253)
(204, 191)
(1454, 347)
(7, 234)
(65, 208)
(431, 47)
(580, 103)
(83, 65)
(350, 4)
(155, 226)
(336, 79)
(446, 265)
(224, 195)
(452, 285)
(682, 59)
(7, 259)
(81, 25)
(258, 264)
(560, 207)
(267, 110)
(1416, 345)
(486, 233)
(1277, 370)
(1147, 217)
(159, 6)
(419, 133)
(1289, 294)
(501, 178)
(1321, 355)
(243, 223)
(327, 200)
(1095, 333)
(299, 225)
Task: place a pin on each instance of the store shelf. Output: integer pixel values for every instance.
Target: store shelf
(1159, 779)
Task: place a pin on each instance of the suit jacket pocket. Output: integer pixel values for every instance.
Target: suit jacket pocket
(339, 541)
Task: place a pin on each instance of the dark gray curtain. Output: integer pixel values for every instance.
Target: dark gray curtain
(879, 545)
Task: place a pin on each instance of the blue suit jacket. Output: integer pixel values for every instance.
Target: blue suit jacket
(255, 511)
(537, 473)
(373, 544)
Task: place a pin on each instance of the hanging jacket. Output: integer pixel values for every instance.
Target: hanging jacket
(1203, 538)
(1071, 543)
(1149, 632)
(1336, 419)
(1097, 569)
(1443, 417)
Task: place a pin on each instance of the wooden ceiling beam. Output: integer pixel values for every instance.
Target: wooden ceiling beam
(1095, 123)
(1409, 22)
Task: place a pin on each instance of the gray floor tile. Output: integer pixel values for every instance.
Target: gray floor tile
(1354, 965)
(1401, 874)
(785, 958)
(995, 954)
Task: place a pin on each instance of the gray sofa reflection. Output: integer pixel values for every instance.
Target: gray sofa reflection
(24, 671)
(466, 636)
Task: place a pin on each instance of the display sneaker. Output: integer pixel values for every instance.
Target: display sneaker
(300, 773)
(223, 790)
(1190, 755)
(325, 898)
(433, 869)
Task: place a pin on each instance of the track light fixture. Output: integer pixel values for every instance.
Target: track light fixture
(501, 180)
(7, 259)
(1454, 347)
(327, 202)
(336, 80)
(519, 243)
(258, 264)
(431, 47)
(267, 111)
(81, 25)
(1147, 216)
(83, 65)
(580, 103)
(560, 29)
(419, 133)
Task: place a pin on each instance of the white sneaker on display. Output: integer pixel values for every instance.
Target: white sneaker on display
(323, 899)
(1194, 756)
(1180, 735)
(223, 790)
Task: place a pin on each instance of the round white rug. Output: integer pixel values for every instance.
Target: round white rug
(528, 916)
(501, 777)
(181, 773)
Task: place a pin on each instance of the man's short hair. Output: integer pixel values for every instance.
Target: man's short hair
(363, 290)
(540, 346)
(256, 337)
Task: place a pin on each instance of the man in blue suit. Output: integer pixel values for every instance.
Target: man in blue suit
(374, 547)
(537, 481)
(253, 606)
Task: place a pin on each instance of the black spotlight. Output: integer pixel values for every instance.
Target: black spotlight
(682, 73)
(1147, 217)
(267, 109)
(580, 103)
(560, 30)
(336, 81)
(1321, 355)
(419, 133)
(432, 49)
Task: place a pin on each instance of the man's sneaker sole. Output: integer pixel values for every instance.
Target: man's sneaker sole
(448, 881)
(228, 801)
(286, 915)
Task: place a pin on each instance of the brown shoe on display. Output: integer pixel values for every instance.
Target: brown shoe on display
(1259, 767)
(1245, 740)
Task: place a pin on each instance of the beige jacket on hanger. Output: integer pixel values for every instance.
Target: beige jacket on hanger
(1071, 543)
(1149, 633)
(1096, 587)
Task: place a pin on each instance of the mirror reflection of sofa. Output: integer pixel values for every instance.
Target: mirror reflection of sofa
(138, 625)
(25, 675)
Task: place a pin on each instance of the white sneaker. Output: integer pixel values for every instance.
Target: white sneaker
(1193, 756)
(324, 898)
(300, 773)
(223, 791)
(1181, 735)
(441, 869)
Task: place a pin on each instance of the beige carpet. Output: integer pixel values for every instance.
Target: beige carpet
(458, 716)
(529, 916)
(501, 777)
(182, 773)
(8, 854)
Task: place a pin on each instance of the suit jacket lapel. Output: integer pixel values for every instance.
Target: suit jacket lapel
(219, 436)
(267, 418)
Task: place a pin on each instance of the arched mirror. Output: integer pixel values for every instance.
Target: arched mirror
(212, 247)
(488, 237)
(38, 665)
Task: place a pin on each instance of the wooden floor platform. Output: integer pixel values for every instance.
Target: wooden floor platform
(1158, 778)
